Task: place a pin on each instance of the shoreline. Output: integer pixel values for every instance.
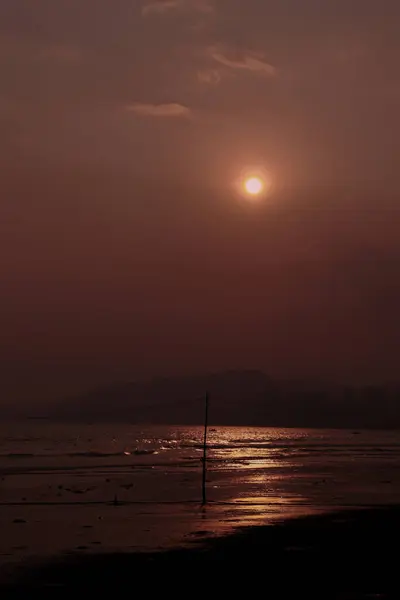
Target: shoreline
(348, 550)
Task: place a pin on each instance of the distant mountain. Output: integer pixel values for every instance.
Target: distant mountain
(237, 398)
(174, 400)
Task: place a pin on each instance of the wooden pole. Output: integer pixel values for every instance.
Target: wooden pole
(205, 450)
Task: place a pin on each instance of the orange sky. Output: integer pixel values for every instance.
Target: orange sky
(126, 251)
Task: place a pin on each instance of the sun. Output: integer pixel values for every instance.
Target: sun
(253, 185)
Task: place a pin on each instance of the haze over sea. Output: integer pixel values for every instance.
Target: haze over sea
(108, 487)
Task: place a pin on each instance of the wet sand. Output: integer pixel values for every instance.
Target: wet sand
(40, 531)
(346, 554)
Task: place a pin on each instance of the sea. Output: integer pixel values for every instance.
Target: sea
(96, 487)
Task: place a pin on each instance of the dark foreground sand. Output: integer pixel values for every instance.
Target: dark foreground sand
(345, 555)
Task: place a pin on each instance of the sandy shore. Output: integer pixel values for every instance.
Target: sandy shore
(38, 532)
(349, 555)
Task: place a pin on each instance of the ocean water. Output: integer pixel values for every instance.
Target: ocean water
(42, 462)
(105, 480)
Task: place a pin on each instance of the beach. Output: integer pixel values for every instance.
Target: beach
(349, 555)
(75, 493)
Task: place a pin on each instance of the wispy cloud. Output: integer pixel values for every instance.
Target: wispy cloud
(13, 47)
(160, 7)
(172, 110)
(248, 61)
(60, 53)
(209, 76)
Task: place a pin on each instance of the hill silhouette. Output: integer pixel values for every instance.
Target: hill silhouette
(247, 397)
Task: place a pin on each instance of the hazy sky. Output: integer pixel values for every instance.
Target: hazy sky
(125, 250)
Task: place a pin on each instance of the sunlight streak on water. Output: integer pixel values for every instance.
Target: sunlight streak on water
(143, 484)
(163, 463)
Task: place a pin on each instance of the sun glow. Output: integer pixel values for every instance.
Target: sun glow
(254, 186)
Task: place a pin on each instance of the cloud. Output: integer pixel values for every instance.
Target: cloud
(60, 53)
(21, 49)
(209, 76)
(249, 61)
(160, 7)
(172, 110)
